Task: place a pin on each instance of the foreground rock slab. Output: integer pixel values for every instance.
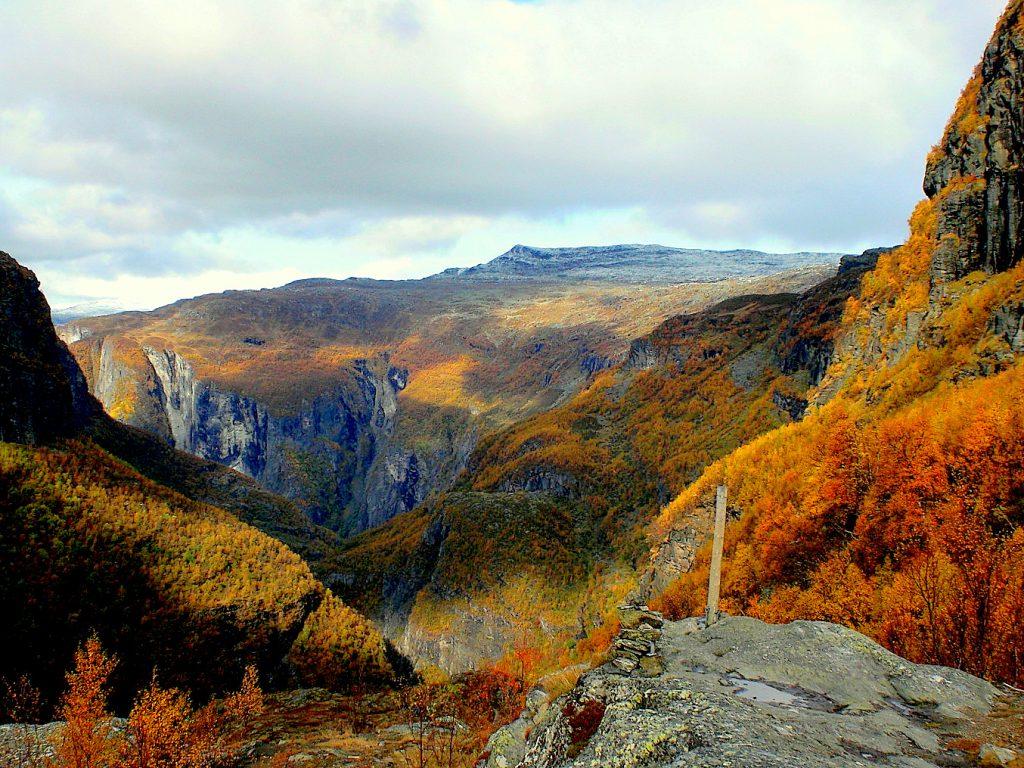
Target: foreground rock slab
(746, 694)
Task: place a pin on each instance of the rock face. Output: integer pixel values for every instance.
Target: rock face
(42, 392)
(326, 452)
(747, 694)
(977, 167)
(820, 310)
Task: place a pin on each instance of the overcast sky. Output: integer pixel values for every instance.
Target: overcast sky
(154, 150)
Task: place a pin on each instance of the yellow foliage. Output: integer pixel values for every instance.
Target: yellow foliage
(339, 649)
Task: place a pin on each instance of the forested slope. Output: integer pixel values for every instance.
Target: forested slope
(164, 579)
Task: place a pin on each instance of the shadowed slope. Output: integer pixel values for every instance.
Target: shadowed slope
(89, 545)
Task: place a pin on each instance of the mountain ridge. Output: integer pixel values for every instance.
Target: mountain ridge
(634, 262)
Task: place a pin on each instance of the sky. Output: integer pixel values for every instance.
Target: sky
(156, 150)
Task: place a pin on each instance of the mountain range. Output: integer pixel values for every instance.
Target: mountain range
(633, 264)
(359, 399)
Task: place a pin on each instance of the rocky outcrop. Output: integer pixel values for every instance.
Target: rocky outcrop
(863, 261)
(752, 695)
(806, 341)
(642, 355)
(42, 392)
(1008, 322)
(400, 478)
(542, 479)
(675, 554)
(478, 634)
(220, 426)
(795, 407)
(976, 170)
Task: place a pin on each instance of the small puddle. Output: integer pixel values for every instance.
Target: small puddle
(763, 693)
(779, 696)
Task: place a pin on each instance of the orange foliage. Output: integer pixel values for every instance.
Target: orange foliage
(86, 741)
(907, 527)
(162, 730)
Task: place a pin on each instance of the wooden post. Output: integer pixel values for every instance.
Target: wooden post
(715, 577)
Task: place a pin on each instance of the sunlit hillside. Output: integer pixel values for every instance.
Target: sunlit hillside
(896, 505)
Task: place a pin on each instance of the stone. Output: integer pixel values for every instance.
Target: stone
(948, 712)
(644, 633)
(808, 694)
(632, 616)
(624, 663)
(991, 755)
(692, 624)
(652, 666)
(632, 647)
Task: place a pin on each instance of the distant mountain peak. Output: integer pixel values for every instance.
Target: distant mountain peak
(632, 263)
(95, 308)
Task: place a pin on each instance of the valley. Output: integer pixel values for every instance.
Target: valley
(466, 520)
(359, 399)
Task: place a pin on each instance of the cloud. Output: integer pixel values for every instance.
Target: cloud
(395, 129)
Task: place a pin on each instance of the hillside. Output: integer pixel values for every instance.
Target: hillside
(165, 579)
(896, 506)
(358, 398)
(542, 535)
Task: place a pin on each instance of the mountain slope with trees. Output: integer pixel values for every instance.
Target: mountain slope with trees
(897, 506)
(165, 581)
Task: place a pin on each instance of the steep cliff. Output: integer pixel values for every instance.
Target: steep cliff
(981, 219)
(321, 453)
(42, 392)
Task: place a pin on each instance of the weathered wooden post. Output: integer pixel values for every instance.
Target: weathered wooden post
(715, 577)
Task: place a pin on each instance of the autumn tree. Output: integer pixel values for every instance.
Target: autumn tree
(22, 704)
(163, 732)
(86, 740)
